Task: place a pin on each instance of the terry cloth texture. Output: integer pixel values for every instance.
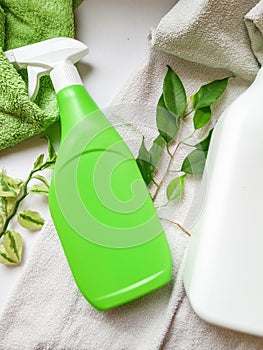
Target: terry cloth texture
(46, 310)
(23, 23)
(214, 33)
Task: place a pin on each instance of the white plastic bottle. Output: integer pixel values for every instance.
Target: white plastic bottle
(224, 267)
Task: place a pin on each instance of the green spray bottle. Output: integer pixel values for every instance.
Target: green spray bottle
(101, 208)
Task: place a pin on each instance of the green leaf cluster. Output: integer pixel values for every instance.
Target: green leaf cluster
(12, 193)
(148, 160)
(171, 109)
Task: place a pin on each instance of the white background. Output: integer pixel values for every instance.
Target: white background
(116, 32)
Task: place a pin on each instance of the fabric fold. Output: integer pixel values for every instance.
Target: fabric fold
(254, 23)
(209, 32)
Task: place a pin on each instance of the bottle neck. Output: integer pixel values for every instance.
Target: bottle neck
(74, 104)
(64, 75)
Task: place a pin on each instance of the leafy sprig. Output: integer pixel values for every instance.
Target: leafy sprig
(172, 108)
(12, 193)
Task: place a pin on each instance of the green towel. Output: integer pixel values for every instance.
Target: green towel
(22, 23)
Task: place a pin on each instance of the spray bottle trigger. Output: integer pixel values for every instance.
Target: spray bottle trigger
(34, 75)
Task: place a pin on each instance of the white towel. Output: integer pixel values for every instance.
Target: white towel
(46, 310)
(211, 32)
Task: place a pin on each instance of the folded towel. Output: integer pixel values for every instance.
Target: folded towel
(23, 23)
(46, 311)
(211, 32)
(254, 23)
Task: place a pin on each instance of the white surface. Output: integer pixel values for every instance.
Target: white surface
(116, 33)
(223, 272)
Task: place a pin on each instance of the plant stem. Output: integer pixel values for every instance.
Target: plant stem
(178, 225)
(156, 184)
(165, 174)
(168, 150)
(187, 144)
(162, 206)
(22, 196)
(187, 138)
(169, 165)
(188, 113)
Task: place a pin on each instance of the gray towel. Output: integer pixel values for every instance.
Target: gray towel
(46, 311)
(214, 33)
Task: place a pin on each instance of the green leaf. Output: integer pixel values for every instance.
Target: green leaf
(2, 222)
(42, 179)
(194, 163)
(40, 189)
(209, 93)
(175, 188)
(174, 93)
(11, 248)
(51, 151)
(10, 204)
(202, 117)
(167, 123)
(3, 205)
(7, 194)
(5, 189)
(14, 184)
(4, 258)
(31, 220)
(39, 161)
(13, 244)
(204, 144)
(148, 160)
(144, 163)
(156, 150)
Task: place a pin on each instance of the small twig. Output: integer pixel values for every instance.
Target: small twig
(188, 113)
(175, 171)
(168, 150)
(165, 174)
(187, 144)
(169, 164)
(188, 137)
(178, 225)
(156, 184)
(162, 206)
(22, 196)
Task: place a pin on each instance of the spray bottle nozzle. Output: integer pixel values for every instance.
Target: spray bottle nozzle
(39, 59)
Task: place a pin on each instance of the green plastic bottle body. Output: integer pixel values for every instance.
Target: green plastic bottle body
(74, 104)
(102, 210)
